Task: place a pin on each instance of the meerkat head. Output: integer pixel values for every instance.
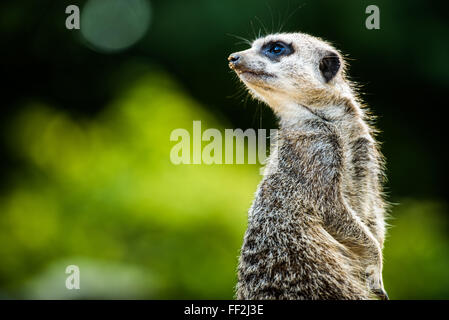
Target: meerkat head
(292, 69)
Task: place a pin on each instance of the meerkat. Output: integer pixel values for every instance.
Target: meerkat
(316, 227)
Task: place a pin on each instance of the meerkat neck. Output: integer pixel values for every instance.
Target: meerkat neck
(293, 114)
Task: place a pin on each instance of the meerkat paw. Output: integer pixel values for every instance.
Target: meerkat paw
(380, 293)
(375, 283)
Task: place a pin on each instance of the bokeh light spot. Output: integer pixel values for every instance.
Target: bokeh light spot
(114, 25)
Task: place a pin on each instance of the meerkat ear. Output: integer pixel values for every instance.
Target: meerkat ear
(329, 65)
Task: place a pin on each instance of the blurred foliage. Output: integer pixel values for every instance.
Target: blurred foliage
(416, 255)
(104, 192)
(85, 167)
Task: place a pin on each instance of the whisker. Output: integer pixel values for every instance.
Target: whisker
(243, 40)
(290, 15)
(263, 26)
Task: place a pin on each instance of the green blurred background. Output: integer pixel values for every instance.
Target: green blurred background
(86, 177)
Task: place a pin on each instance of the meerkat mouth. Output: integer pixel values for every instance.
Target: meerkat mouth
(259, 74)
(246, 71)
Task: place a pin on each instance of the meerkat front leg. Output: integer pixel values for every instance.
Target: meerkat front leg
(314, 160)
(347, 229)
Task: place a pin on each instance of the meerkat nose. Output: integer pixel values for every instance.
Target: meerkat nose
(233, 58)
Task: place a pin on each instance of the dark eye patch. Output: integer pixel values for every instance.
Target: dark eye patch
(274, 50)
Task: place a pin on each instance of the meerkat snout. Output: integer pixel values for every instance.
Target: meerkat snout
(234, 61)
(233, 58)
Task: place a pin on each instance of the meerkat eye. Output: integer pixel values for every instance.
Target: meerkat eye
(274, 50)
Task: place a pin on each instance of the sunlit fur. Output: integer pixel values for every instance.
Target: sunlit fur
(316, 227)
